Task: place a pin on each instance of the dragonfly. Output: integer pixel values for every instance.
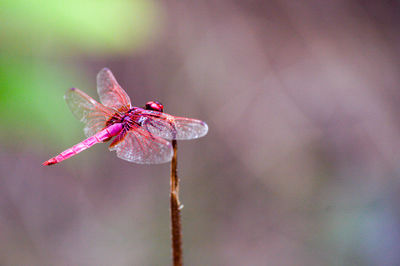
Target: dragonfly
(139, 134)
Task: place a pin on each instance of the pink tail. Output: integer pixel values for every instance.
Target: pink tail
(101, 136)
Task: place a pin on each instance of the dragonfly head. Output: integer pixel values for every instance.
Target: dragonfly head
(154, 106)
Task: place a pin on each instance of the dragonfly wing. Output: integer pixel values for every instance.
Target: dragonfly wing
(140, 146)
(172, 127)
(188, 128)
(110, 92)
(88, 111)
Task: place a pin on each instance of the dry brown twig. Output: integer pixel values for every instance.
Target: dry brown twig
(176, 228)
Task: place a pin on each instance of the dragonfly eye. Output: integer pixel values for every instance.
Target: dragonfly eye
(154, 106)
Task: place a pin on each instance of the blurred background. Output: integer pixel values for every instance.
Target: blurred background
(300, 165)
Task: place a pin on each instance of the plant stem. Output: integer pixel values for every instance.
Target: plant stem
(175, 211)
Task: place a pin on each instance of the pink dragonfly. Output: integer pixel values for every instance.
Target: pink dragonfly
(142, 135)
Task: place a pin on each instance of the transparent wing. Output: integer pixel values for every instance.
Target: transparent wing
(110, 93)
(88, 111)
(140, 146)
(172, 127)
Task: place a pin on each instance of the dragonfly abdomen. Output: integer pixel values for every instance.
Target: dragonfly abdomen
(101, 136)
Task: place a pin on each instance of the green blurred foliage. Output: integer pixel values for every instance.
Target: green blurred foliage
(94, 27)
(36, 39)
(31, 99)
